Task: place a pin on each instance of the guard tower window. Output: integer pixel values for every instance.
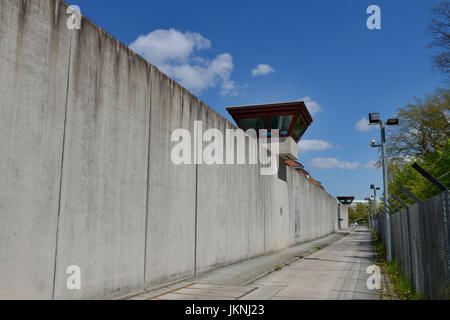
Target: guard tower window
(346, 200)
(251, 123)
(281, 122)
(299, 129)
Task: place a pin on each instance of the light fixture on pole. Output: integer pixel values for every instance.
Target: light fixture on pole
(375, 119)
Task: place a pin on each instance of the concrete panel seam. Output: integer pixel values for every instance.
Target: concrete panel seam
(62, 165)
(148, 176)
(196, 201)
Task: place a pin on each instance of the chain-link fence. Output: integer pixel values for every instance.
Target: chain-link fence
(420, 244)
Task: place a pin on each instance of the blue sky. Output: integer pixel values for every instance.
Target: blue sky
(317, 49)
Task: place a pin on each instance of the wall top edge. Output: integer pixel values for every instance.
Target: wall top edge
(150, 65)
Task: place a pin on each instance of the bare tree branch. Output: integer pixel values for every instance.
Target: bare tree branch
(440, 28)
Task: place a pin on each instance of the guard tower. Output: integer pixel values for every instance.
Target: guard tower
(290, 118)
(344, 203)
(346, 200)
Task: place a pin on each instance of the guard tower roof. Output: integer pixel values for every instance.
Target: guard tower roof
(290, 118)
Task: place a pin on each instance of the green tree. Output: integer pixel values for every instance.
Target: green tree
(360, 211)
(422, 136)
(424, 126)
(436, 163)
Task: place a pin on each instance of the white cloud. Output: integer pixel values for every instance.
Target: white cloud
(371, 164)
(363, 125)
(306, 146)
(262, 69)
(160, 45)
(174, 52)
(332, 163)
(228, 88)
(313, 106)
(198, 77)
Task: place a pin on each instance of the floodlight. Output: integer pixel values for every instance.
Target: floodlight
(392, 122)
(374, 118)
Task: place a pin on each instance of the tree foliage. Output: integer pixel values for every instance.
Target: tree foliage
(422, 136)
(436, 163)
(424, 126)
(360, 211)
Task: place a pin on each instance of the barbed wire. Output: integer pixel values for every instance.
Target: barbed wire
(430, 184)
(434, 163)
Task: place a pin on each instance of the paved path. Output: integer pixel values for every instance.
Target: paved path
(333, 267)
(336, 272)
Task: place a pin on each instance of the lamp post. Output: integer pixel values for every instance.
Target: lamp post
(369, 201)
(375, 119)
(372, 186)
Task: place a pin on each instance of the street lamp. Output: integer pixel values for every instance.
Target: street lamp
(375, 119)
(369, 201)
(392, 122)
(372, 186)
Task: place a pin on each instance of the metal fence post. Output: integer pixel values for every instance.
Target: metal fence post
(385, 228)
(422, 240)
(411, 276)
(398, 245)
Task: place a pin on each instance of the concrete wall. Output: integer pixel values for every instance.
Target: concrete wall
(34, 60)
(105, 161)
(171, 192)
(87, 180)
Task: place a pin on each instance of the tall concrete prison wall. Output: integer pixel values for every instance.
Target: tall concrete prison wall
(87, 180)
